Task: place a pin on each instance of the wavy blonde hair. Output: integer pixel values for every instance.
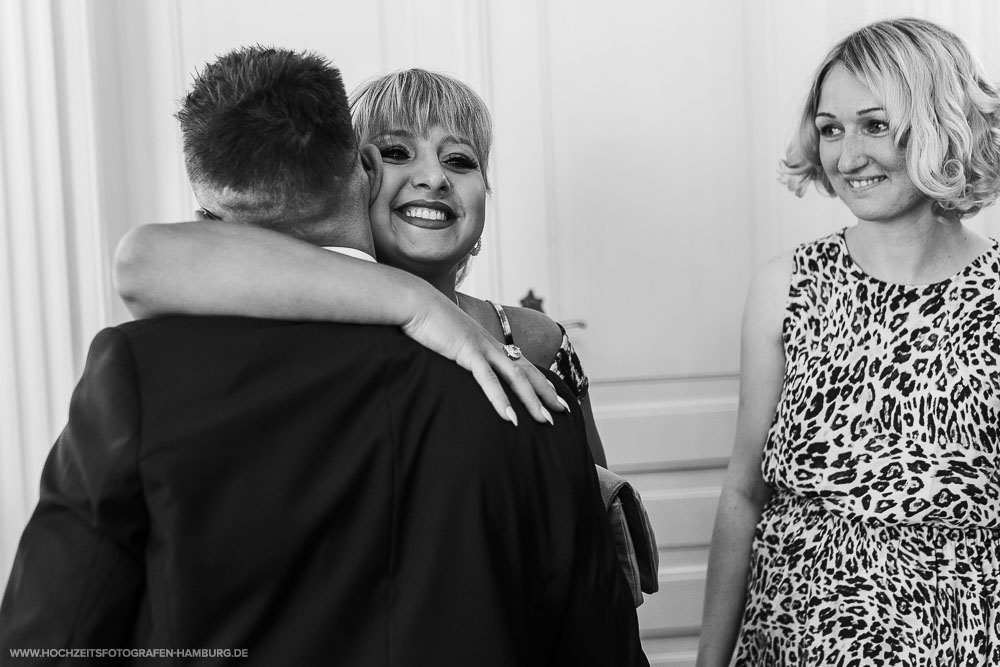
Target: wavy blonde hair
(942, 109)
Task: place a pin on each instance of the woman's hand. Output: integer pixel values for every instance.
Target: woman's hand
(443, 327)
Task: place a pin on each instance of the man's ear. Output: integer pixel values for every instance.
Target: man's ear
(371, 160)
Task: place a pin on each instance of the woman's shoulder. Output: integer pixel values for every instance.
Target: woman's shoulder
(773, 277)
(538, 336)
(767, 296)
(826, 255)
(542, 341)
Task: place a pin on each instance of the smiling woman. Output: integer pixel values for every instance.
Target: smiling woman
(941, 104)
(451, 126)
(432, 136)
(859, 519)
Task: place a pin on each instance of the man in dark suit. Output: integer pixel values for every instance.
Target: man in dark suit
(295, 493)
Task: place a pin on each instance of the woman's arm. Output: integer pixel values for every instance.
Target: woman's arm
(220, 268)
(744, 492)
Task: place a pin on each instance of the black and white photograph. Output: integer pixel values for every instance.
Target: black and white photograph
(500, 333)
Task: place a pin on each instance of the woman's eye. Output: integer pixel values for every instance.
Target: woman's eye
(394, 153)
(830, 131)
(462, 162)
(878, 127)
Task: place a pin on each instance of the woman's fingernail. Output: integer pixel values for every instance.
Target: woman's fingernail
(548, 416)
(511, 415)
(562, 403)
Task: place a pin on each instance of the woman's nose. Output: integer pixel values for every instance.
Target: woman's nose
(428, 173)
(852, 154)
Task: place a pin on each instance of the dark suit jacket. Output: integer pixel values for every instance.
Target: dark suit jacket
(313, 494)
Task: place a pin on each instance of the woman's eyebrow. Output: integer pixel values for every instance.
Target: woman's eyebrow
(403, 134)
(407, 134)
(862, 112)
(454, 139)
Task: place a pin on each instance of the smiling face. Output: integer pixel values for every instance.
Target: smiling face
(431, 208)
(856, 148)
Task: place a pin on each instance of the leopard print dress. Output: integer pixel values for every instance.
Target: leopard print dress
(881, 542)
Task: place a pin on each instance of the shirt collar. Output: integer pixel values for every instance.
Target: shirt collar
(351, 252)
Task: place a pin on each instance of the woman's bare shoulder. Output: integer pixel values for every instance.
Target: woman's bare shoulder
(768, 295)
(774, 275)
(538, 336)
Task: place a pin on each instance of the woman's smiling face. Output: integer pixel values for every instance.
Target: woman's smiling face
(863, 163)
(431, 208)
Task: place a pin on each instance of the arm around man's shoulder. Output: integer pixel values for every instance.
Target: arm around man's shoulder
(77, 579)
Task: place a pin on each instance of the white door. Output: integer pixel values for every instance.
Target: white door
(635, 227)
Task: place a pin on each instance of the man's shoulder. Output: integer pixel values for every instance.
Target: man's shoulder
(179, 348)
(182, 327)
(228, 323)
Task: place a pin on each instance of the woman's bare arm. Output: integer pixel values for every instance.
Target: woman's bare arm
(220, 268)
(744, 492)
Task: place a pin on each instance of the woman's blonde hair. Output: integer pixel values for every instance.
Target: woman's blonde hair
(417, 99)
(941, 109)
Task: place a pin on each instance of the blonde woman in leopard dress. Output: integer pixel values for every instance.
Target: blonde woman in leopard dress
(860, 519)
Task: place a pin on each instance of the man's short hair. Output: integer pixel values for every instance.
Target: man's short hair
(269, 121)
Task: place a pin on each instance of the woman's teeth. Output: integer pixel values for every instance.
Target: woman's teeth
(865, 182)
(425, 213)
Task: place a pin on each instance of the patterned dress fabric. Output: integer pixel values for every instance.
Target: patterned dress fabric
(567, 366)
(881, 542)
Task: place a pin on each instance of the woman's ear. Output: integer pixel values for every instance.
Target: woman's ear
(371, 160)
